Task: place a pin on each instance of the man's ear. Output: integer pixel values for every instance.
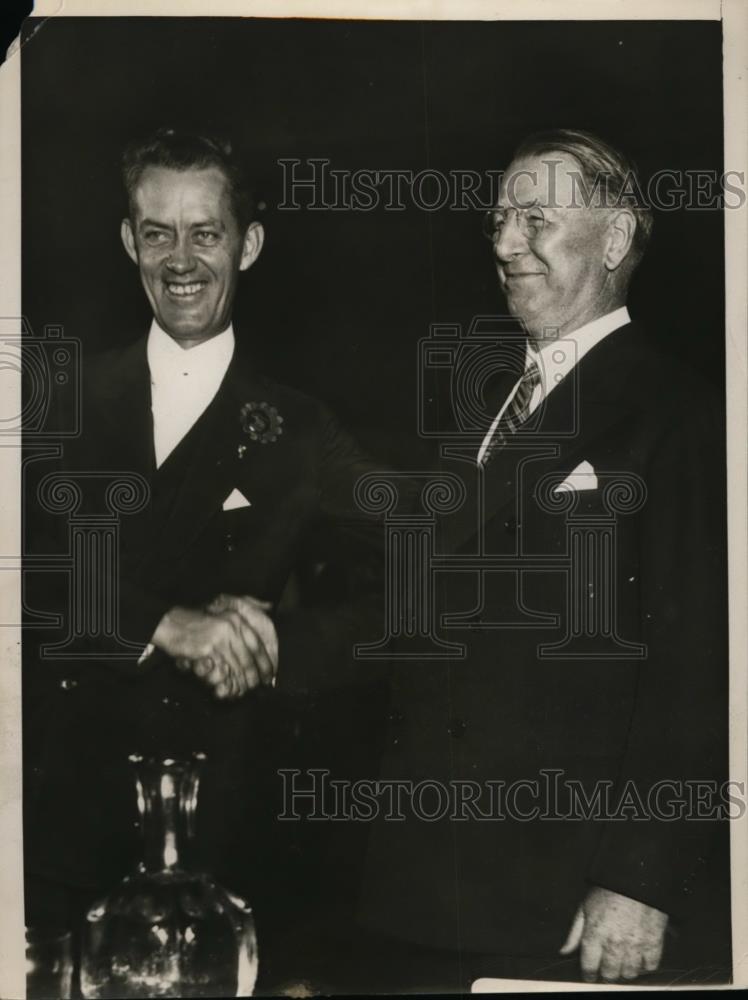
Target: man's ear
(128, 240)
(253, 240)
(621, 229)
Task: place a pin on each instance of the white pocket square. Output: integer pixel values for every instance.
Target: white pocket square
(234, 500)
(582, 478)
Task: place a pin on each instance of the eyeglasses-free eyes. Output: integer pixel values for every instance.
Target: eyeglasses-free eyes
(530, 222)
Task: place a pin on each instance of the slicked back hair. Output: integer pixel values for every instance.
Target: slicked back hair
(168, 147)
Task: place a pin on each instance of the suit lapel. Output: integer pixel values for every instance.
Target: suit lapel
(583, 409)
(221, 457)
(121, 415)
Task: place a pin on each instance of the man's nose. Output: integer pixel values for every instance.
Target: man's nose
(181, 259)
(511, 241)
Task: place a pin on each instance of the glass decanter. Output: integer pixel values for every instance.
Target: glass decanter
(166, 931)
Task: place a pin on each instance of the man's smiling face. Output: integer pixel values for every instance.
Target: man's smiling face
(189, 248)
(549, 248)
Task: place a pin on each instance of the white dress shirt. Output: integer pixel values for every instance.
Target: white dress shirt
(555, 360)
(183, 383)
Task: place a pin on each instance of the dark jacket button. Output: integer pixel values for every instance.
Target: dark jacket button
(394, 717)
(457, 729)
(68, 684)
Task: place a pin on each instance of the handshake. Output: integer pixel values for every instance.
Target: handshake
(231, 644)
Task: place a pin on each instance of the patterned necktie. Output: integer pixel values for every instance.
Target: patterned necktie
(516, 412)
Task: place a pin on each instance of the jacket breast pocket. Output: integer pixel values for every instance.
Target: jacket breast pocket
(236, 525)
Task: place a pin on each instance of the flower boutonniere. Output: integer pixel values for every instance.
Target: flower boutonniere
(260, 422)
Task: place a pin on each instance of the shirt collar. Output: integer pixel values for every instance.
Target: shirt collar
(209, 359)
(557, 357)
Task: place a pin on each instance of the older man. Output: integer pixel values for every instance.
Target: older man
(515, 885)
(244, 481)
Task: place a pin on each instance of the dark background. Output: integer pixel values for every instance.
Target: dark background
(338, 300)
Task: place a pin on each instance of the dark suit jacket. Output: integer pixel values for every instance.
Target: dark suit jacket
(505, 713)
(82, 717)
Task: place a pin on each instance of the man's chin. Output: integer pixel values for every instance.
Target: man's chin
(521, 308)
(183, 323)
(186, 332)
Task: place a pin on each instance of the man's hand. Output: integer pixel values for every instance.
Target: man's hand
(254, 615)
(225, 647)
(620, 938)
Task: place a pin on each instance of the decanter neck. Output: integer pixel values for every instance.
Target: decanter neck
(167, 799)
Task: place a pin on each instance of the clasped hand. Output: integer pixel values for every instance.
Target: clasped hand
(231, 644)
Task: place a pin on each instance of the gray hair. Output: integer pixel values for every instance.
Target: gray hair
(603, 168)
